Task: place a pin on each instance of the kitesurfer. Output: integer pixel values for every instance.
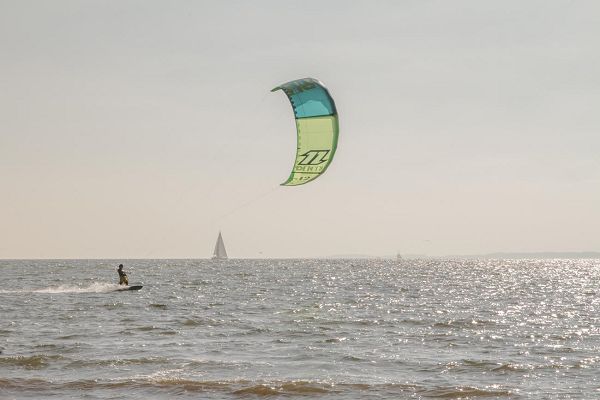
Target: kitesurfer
(122, 276)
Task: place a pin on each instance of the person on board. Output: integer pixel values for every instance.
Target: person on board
(122, 276)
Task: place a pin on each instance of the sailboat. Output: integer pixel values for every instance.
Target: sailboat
(220, 253)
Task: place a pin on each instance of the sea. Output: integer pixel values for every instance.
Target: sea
(312, 328)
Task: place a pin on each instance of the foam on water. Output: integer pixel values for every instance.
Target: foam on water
(96, 287)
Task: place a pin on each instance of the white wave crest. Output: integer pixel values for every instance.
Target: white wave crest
(96, 287)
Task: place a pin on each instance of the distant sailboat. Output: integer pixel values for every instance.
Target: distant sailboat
(399, 257)
(220, 253)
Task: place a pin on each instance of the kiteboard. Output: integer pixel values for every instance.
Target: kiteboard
(129, 288)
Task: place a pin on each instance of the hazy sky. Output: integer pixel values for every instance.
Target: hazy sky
(141, 128)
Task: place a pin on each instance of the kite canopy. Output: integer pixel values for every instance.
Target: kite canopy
(317, 127)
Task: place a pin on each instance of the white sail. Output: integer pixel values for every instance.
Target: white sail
(220, 253)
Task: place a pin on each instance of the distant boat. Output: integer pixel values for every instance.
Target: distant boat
(399, 257)
(220, 253)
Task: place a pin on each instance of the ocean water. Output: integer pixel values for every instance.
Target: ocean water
(327, 329)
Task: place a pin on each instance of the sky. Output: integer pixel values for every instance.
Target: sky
(139, 129)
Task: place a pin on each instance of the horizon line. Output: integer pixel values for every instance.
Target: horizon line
(499, 255)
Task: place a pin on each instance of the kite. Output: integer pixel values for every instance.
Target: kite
(317, 129)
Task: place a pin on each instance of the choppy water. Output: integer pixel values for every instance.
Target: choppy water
(341, 329)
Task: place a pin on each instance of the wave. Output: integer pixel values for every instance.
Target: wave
(464, 392)
(116, 362)
(485, 365)
(244, 388)
(509, 367)
(23, 384)
(96, 287)
(29, 362)
(173, 385)
(288, 388)
(463, 323)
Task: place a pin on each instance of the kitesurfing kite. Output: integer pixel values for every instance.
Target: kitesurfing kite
(317, 127)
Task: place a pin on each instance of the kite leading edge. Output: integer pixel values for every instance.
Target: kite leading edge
(317, 128)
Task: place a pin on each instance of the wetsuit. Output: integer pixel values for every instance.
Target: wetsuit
(123, 277)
